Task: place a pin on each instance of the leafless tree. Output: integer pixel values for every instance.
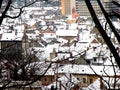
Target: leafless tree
(6, 5)
(101, 29)
(14, 64)
(17, 70)
(107, 81)
(107, 38)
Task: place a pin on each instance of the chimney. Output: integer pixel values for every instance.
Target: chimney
(53, 54)
(71, 55)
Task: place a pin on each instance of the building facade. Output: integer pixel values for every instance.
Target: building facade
(67, 6)
(82, 9)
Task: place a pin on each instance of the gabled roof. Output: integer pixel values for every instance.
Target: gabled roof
(94, 86)
(116, 24)
(14, 36)
(67, 32)
(89, 70)
(31, 22)
(94, 41)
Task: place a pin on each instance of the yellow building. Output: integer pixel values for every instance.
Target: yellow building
(67, 6)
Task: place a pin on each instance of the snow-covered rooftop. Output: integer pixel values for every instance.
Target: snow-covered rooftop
(89, 69)
(67, 32)
(116, 24)
(12, 36)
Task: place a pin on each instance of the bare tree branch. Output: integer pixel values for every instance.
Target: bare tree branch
(5, 11)
(4, 15)
(13, 17)
(109, 21)
(103, 33)
(1, 1)
(116, 3)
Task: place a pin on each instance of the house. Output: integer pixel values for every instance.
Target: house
(83, 73)
(48, 33)
(67, 81)
(94, 56)
(77, 76)
(31, 24)
(43, 71)
(67, 34)
(95, 85)
(87, 74)
(13, 41)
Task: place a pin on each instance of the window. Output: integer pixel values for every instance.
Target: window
(51, 79)
(45, 79)
(95, 59)
(91, 81)
(84, 80)
(77, 78)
